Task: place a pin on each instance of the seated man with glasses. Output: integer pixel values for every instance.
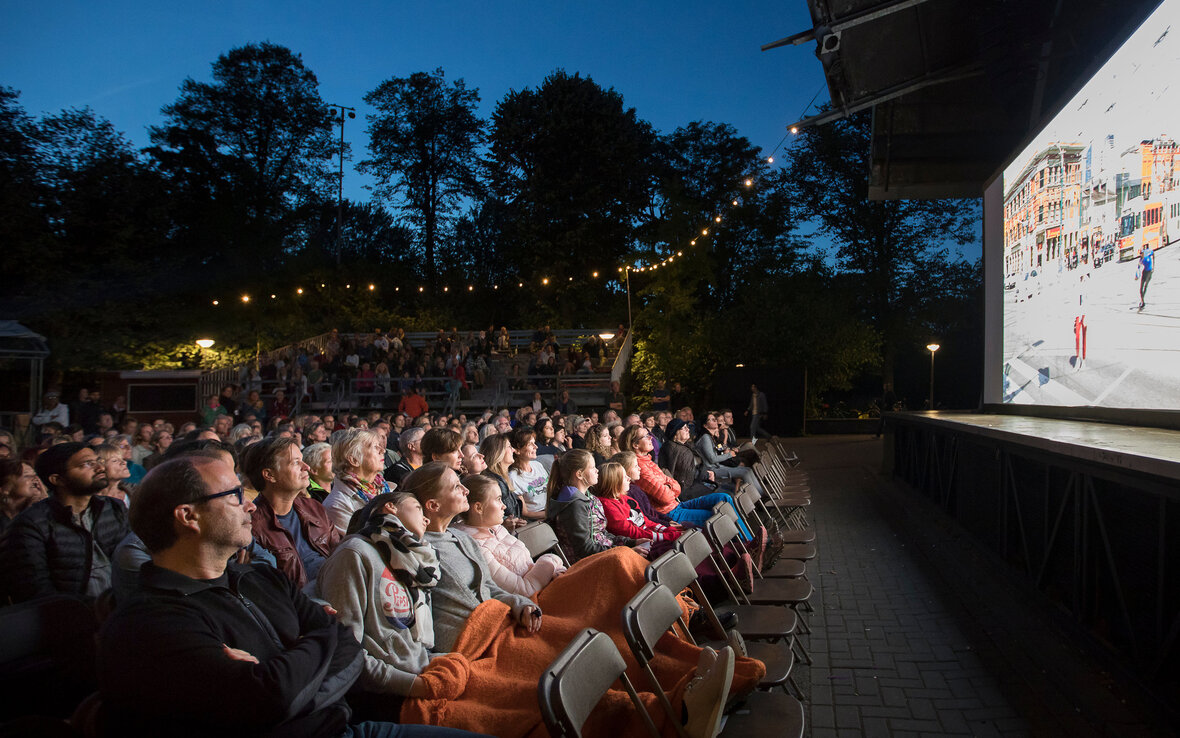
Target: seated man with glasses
(63, 544)
(206, 648)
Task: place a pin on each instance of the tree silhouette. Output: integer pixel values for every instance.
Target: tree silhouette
(897, 250)
(422, 145)
(246, 156)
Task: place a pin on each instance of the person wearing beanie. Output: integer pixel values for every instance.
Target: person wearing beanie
(63, 544)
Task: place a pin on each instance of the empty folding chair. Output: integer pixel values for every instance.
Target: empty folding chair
(755, 622)
(578, 678)
(721, 531)
(674, 571)
(539, 539)
(782, 567)
(649, 614)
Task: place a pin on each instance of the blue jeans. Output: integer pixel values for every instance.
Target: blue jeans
(699, 509)
(396, 730)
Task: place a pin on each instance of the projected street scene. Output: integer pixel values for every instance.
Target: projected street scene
(1091, 220)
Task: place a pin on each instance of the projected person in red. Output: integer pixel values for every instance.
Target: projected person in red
(1079, 323)
(1144, 272)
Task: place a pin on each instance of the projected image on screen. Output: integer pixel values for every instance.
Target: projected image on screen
(1091, 224)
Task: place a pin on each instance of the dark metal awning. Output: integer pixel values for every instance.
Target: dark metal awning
(956, 85)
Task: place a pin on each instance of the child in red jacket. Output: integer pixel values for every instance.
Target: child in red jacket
(623, 516)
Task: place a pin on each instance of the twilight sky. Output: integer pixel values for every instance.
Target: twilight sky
(674, 61)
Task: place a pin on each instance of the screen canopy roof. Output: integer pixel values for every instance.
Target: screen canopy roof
(956, 85)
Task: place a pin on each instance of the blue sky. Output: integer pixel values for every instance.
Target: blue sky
(674, 62)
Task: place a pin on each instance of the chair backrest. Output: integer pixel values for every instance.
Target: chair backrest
(539, 539)
(673, 570)
(576, 680)
(746, 500)
(695, 546)
(648, 615)
(721, 529)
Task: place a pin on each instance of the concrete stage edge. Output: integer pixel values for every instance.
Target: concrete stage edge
(1085, 514)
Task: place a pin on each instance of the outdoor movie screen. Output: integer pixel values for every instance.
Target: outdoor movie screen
(1091, 220)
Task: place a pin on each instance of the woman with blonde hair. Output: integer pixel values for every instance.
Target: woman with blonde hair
(117, 471)
(358, 458)
(498, 454)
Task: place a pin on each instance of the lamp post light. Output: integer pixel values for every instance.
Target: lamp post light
(348, 112)
(932, 347)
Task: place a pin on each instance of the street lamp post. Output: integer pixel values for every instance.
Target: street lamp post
(351, 113)
(932, 347)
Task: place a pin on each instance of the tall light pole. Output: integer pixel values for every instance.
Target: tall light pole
(932, 347)
(351, 113)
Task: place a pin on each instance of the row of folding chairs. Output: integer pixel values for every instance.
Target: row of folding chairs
(590, 665)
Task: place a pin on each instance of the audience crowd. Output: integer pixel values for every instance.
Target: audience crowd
(325, 574)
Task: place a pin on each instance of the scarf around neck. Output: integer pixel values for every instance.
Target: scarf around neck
(363, 490)
(413, 563)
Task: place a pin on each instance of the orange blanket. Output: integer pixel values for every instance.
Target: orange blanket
(489, 684)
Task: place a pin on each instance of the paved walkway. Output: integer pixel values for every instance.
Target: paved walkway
(916, 631)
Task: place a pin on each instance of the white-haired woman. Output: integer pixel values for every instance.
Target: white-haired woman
(358, 458)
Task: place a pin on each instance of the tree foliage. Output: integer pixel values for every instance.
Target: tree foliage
(246, 156)
(897, 250)
(423, 151)
(573, 168)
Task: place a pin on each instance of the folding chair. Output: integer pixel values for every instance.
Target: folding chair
(747, 502)
(722, 530)
(649, 614)
(573, 684)
(781, 568)
(539, 539)
(674, 571)
(755, 622)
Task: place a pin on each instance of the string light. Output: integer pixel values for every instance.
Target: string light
(372, 287)
(594, 275)
(348, 286)
(421, 289)
(545, 280)
(717, 219)
(216, 302)
(704, 231)
(470, 288)
(299, 291)
(446, 289)
(749, 183)
(245, 298)
(272, 297)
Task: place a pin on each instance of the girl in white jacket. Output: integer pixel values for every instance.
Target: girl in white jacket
(508, 559)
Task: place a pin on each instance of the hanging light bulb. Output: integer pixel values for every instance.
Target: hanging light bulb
(680, 253)
(794, 129)
(421, 289)
(717, 219)
(397, 289)
(470, 288)
(595, 275)
(299, 291)
(372, 287)
(735, 203)
(272, 297)
(245, 298)
(749, 183)
(704, 231)
(348, 286)
(770, 160)
(545, 280)
(216, 302)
